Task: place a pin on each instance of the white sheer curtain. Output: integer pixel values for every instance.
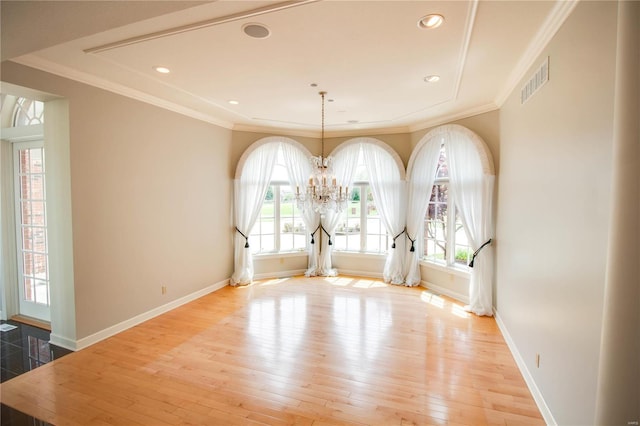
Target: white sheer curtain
(473, 194)
(249, 192)
(344, 166)
(299, 168)
(389, 193)
(422, 175)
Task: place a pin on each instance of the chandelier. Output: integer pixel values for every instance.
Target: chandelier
(323, 193)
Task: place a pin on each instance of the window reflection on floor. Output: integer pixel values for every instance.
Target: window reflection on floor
(23, 349)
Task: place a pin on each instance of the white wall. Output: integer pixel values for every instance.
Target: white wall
(553, 213)
(150, 202)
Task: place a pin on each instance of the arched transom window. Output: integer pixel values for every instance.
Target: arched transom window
(28, 112)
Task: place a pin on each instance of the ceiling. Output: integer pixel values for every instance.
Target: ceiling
(371, 58)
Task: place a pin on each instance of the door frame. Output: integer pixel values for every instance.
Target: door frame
(27, 308)
(10, 294)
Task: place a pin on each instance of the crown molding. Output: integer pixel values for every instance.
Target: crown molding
(317, 134)
(41, 64)
(446, 119)
(558, 15)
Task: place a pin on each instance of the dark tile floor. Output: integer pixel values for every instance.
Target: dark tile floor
(23, 349)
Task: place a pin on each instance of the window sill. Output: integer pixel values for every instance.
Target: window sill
(464, 273)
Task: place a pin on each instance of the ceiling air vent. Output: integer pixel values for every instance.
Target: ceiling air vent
(537, 80)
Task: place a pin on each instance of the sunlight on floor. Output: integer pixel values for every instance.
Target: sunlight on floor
(459, 311)
(355, 282)
(339, 281)
(432, 299)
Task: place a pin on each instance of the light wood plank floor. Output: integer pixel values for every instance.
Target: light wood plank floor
(312, 351)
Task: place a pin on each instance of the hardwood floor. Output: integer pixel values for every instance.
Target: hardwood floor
(303, 351)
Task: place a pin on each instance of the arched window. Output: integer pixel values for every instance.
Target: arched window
(377, 204)
(445, 238)
(265, 214)
(28, 112)
(451, 190)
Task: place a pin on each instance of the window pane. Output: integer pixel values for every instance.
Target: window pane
(353, 242)
(443, 170)
(374, 243)
(37, 213)
(29, 291)
(41, 292)
(267, 243)
(348, 230)
(340, 240)
(300, 240)
(292, 229)
(261, 237)
(436, 221)
(376, 232)
(463, 250)
(27, 238)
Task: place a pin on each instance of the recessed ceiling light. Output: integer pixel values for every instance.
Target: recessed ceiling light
(432, 78)
(255, 30)
(431, 21)
(233, 102)
(162, 70)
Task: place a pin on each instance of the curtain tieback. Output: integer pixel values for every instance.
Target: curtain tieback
(413, 247)
(328, 234)
(394, 238)
(313, 234)
(246, 239)
(475, 253)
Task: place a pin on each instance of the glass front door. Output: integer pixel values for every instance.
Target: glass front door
(31, 230)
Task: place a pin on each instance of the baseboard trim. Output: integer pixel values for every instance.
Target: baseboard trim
(364, 274)
(526, 374)
(138, 319)
(63, 342)
(443, 290)
(279, 274)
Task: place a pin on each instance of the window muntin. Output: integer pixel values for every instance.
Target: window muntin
(293, 234)
(443, 227)
(348, 235)
(360, 228)
(376, 234)
(263, 235)
(436, 223)
(28, 112)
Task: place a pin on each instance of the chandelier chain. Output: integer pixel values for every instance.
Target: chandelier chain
(322, 133)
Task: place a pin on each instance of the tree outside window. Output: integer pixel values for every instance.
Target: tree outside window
(445, 239)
